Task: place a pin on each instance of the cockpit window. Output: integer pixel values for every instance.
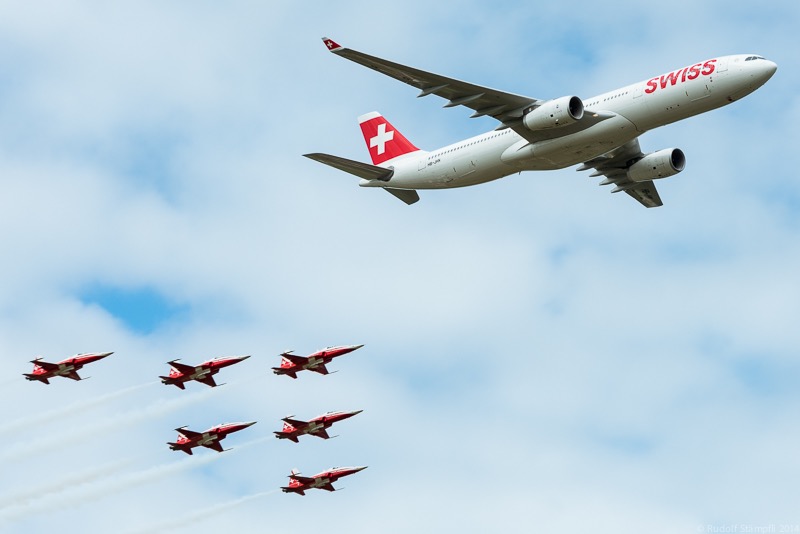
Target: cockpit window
(753, 58)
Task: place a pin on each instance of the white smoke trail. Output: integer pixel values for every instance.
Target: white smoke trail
(11, 380)
(110, 485)
(76, 408)
(190, 519)
(86, 477)
(155, 409)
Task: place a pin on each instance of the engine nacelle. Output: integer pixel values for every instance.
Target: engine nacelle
(554, 113)
(661, 164)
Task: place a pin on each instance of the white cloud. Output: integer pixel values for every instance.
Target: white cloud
(539, 353)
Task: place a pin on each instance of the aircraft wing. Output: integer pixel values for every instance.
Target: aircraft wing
(297, 360)
(188, 433)
(321, 433)
(614, 166)
(328, 487)
(214, 445)
(295, 422)
(73, 375)
(182, 367)
(208, 380)
(483, 100)
(302, 479)
(47, 366)
(321, 369)
(507, 108)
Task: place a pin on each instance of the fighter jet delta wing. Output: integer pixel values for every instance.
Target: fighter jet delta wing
(508, 108)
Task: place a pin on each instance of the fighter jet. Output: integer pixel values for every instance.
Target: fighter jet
(181, 373)
(294, 428)
(188, 439)
(324, 480)
(69, 368)
(291, 364)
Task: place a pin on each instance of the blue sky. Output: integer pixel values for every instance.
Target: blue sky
(539, 354)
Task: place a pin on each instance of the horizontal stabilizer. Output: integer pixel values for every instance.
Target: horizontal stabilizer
(30, 376)
(356, 168)
(409, 196)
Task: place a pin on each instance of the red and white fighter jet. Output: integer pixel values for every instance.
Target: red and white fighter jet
(68, 368)
(180, 373)
(188, 439)
(294, 428)
(291, 364)
(324, 480)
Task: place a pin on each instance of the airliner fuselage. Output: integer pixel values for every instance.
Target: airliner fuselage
(600, 133)
(638, 107)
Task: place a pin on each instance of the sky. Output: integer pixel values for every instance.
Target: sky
(539, 354)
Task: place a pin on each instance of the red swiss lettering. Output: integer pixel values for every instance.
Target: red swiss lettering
(671, 78)
(686, 73)
(708, 67)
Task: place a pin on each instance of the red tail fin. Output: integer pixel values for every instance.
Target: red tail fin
(383, 140)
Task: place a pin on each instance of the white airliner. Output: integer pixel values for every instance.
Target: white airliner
(601, 133)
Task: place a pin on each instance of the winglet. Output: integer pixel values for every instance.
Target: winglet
(331, 44)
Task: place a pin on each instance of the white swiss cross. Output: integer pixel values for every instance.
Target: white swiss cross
(381, 139)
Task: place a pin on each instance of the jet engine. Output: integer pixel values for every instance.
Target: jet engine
(554, 113)
(661, 164)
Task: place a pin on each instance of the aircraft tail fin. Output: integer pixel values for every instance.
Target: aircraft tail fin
(384, 141)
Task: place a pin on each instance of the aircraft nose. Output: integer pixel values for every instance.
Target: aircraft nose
(770, 68)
